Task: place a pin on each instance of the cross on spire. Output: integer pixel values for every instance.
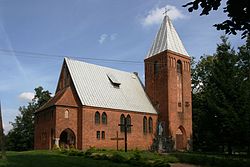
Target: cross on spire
(165, 13)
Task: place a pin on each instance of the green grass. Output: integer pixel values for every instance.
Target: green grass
(212, 160)
(53, 159)
(111, 158)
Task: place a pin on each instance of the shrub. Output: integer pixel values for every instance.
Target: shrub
(89, 151)
(55, 148)
(116, 157)
(75, 152)
(99, 156)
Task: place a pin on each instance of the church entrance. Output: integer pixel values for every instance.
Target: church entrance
(180, 139)
(67, 139)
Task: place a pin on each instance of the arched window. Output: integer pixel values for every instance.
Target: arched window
(179, 87)
(97, 117)
(104, 118)
(66, 114)
(156, 67)
(129, 123)
(150, 125)
(122, 122)
(179, 67)
(144, 124)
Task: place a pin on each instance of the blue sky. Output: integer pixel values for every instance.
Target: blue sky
(110, 29)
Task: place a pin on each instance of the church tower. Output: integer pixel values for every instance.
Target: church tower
(168, 85)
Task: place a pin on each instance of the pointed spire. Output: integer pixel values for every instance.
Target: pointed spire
(167, 39)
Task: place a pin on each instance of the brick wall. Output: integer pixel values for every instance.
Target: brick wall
(136, 139)
(44, 127)
(162, 90)
(81, 121)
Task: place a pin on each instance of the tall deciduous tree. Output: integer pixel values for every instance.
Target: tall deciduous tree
(221, 93)
(244, 72)
(21, 137)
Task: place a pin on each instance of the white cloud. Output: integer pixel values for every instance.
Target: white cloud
(155, 16)
(102, 38)
(26, 96)
(113, 36)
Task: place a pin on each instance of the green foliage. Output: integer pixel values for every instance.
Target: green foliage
(117, 157)
(220, 97)
(237, 12)
(134, 158)
(21, 136)
(89, 151)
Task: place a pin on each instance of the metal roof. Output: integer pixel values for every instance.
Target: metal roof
(167, 39)
(95, 88)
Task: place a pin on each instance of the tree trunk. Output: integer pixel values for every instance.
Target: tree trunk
(248, 149)
(229, 149)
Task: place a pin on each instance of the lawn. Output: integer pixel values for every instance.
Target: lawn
(53, 159)
(111, 158)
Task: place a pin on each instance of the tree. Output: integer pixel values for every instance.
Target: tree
(21, 137)
(238, 13)
(204, 123)
(222, 93)
(221, 110)
(244, 66)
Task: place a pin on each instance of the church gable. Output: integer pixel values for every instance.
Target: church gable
(64, 79)
(69, 98)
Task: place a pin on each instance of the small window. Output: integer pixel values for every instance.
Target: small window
(144, 124)
(103, 134)
(150, 125)
(98, 135)
(104, 118)
(156, 67)
(179, 67)
(122, 122)
(128, 123)
(66, 114)
(97, 117)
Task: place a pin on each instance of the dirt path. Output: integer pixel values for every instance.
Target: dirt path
(183, 165)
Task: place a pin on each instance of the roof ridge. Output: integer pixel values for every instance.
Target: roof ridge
(100, 66)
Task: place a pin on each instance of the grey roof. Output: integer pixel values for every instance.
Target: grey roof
(167, 39)
(108, 88)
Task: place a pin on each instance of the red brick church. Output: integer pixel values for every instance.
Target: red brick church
(90, 101)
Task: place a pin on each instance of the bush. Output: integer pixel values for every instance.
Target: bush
(116, 157)
(89, 151)
(75, 152)
(99, 156)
